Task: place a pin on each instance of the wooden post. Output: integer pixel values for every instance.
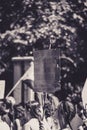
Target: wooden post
(21, 93)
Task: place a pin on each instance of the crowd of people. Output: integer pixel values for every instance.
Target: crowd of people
(51, 114)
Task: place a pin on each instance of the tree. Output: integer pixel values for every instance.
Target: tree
(44, 25)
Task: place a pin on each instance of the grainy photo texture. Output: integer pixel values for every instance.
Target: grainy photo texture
(43, 64)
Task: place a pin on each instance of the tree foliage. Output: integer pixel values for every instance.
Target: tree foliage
(28, 25)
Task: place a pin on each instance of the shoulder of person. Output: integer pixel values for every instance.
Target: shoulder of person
(32, 121)
(4, 126)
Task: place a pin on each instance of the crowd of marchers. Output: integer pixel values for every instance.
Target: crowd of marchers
(49, 114)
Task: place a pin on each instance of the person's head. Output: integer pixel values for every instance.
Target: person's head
(3, 109)
(54, 101)
(19, 111)
(48, 110)
(35, 109)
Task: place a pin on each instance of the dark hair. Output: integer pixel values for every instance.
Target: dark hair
(19, 109)
(31, 106)
(48, 109)
(2, 109)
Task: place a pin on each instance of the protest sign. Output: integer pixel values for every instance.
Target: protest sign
(84, 94)
(2, 89)
(46, 70)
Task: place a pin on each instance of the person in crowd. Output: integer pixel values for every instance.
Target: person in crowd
(51, 111)
(66, 112)
(37, 118)
(3, 124)
(53, 100)
(49, 114)
(19, 117)
(77, 102)
(9, 117)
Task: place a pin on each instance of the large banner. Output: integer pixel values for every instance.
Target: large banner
(46, 70)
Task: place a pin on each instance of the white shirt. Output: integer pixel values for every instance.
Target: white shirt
(53, 125)
(33, 124)
(4, 125)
